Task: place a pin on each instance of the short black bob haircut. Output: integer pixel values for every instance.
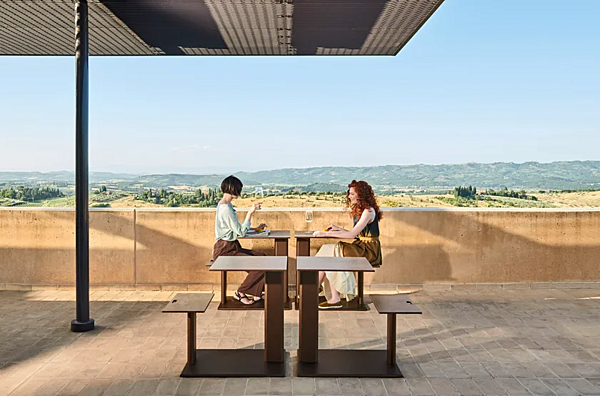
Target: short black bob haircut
(232, 185)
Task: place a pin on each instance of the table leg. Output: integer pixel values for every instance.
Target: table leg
(223, 287)
(303, 247)
(391, 339)
(191, 344)
(309, 317)
(281, 249)
(361, 289)
(302, 250)
(274, 349)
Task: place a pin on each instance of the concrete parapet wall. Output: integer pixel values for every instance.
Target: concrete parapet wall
(148, 247)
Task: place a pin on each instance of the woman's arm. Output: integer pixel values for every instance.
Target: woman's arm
(333, 227)
(249, 215)
(239, 230)
(366, 217)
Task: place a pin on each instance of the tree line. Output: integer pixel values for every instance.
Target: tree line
(510, 194)
(470, 192)
(465, 192)
(31, 193)
(174, 199)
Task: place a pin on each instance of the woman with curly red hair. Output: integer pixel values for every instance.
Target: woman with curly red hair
(361, 202)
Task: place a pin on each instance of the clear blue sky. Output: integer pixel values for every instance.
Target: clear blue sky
(483, 81)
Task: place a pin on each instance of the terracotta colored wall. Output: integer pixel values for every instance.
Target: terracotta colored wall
(38, 246)
(146, 246)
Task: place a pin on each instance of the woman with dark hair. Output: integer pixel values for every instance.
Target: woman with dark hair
(227, 231)
(361, 202)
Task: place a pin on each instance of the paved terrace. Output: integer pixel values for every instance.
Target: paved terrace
(496, 342)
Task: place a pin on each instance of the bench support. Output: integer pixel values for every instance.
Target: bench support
(223, 287)
(391, 339)
(191, 344)
(361, 291)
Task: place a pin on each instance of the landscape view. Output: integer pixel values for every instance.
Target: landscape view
(497, 185)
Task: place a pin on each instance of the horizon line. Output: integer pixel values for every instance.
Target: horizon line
(297, 168)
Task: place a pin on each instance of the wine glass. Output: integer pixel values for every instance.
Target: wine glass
(259, 193)
(308, 216)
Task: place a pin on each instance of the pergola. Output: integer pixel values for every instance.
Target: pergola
(193, 27)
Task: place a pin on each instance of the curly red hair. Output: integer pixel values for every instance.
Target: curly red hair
(366, 199)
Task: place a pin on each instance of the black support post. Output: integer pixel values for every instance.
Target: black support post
(83, 322)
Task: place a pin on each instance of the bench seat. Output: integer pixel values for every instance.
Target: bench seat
(391, 305)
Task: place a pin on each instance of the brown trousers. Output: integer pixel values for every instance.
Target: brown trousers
(254, 284)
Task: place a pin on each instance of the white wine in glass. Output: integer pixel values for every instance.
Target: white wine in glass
(259, 194)
(308, 216)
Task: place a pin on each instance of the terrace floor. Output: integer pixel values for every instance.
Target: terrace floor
(496, 342)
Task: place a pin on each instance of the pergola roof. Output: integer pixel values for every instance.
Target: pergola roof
(215, 27)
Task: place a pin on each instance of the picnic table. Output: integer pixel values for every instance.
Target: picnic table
(280, 241)
(315, 362)
(303, 239)
(269, 362)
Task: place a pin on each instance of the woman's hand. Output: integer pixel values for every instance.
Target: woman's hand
(319, 234)
(254, 208)
(333, 227)
(262, 226)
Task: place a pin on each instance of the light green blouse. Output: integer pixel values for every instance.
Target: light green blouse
(227, 225)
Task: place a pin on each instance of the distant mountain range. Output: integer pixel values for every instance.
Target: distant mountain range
(529, 175)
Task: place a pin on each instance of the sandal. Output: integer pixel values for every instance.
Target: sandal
(238, 297)
(257, 299)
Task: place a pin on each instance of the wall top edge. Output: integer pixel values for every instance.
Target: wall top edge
(322, 209)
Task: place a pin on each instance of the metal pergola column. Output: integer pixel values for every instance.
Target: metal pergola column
(83, 322)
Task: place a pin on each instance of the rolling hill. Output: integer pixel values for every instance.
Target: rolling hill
(576, 175)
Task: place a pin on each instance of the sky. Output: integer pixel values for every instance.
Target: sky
(482, 81)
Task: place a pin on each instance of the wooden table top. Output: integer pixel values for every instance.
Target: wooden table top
(303, 234)
(359, 264)
(189, 302)
(272, 235)
(250, 263)
(309, 235)
(394, 304)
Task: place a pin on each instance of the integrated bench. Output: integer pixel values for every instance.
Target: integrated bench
(192, 304)
(392, 305)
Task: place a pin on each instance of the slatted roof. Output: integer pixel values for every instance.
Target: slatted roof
(215, 27)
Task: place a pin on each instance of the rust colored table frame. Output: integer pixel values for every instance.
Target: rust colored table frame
(313, 362)
(303, 250)
(269, 362)
(281, 249)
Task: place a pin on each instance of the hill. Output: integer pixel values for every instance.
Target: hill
(530, 175)
(566, 175)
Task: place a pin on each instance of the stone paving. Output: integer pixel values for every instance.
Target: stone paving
(496, 342)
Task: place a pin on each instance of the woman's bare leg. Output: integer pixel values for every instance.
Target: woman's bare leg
(321, 277)
(335, 295)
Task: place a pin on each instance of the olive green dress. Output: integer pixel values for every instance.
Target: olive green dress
(365, 245)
